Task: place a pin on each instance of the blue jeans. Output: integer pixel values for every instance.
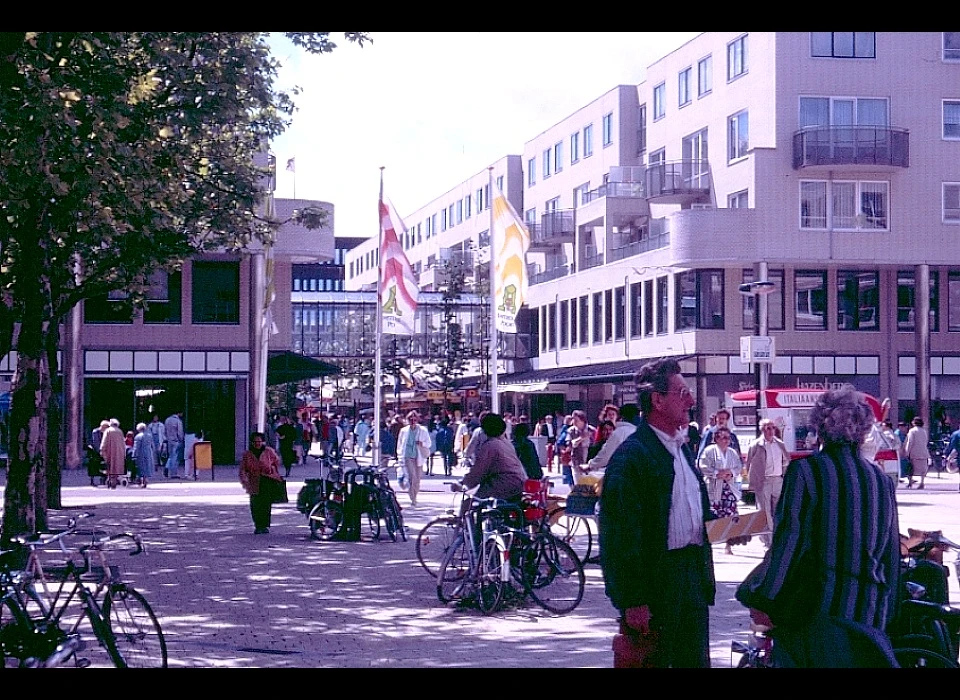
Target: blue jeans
(174, 457)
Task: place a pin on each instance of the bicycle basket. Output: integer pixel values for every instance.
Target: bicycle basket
(578, 504)
(310, 495)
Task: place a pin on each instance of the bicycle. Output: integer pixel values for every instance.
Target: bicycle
(477, 563)
(138, 636)
(434, 540)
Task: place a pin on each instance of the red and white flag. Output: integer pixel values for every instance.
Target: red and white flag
(398, 285)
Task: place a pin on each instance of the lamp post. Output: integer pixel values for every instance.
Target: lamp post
(759, 291)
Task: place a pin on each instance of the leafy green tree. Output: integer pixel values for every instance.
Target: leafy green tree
(120, 152)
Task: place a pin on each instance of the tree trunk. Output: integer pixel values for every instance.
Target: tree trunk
(27, 438)
(54, 449)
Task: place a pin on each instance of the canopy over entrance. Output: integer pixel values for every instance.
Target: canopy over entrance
(284, 366)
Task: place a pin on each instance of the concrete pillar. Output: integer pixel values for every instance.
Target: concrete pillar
(257, 382)
(74, 434)
(921, 315)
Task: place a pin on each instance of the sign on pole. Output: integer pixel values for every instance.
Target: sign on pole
(759, 349)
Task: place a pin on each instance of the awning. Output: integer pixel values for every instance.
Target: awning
(525, 388)
(284, 366)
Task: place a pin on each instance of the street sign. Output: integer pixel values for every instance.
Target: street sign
(759, 349)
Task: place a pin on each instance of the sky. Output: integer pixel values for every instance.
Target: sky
(436, 108)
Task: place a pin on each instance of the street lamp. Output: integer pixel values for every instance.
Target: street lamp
(759, 291)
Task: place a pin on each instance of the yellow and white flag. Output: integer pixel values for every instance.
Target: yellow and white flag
(510, 240)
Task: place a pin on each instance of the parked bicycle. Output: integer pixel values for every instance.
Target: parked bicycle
(435, 538)
(120, 618)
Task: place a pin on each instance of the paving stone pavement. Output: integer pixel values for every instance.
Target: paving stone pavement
(228, 598)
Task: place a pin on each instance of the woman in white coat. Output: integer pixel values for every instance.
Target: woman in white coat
(413, 449)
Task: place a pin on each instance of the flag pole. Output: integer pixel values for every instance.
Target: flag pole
(494, 396)
(377, 360)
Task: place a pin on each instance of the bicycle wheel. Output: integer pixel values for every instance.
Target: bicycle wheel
(553, 574)
(433, 542)
(393, 511)
(135, 628)
(455, 571)
(575, 530)
(326, 519)
(490, 576)
(922, 658)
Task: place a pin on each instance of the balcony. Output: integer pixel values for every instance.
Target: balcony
(834, 146)
(555, 228)
(658, 238)
(551, 274)
(678, 182)
(616, 189)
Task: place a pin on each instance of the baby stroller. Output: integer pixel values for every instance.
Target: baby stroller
(96, 467)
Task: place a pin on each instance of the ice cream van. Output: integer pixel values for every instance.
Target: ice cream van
(789, 409)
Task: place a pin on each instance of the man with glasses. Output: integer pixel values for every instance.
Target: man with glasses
(767, 460)
(656, 558)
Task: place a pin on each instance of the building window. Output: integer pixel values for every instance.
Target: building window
(564, 324)
(459, 212)
(907, 299)
(693, 150)
(608, 315)
(584, 320)
(588, 140)
(575, 147)
(558, 156)
(419, 235)
(113, 307)
(659, 101)
(531, 174)
(543, 329)
(642, 129)
(738, 141)
(450, 214)
(500, 182)
(164, 298)
(216, 292)
(580, 194)
(858, 300)
(546, 164)
(951, 119)
(738, 200)
(683, 86)
(704, 76)
(699, 299)
(607, 125)
(774, 302)
(951, 46)
(951, 202)
(843, 44)
(551, 326)
(663, 305)
(598, 317)
(467, 213)
(845, 205)
(810, 290)
(648, 308)
(636, 309)
(737, 58)
(953, 301)
(443, 219)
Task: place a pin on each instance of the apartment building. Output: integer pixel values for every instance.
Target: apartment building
(825, 162)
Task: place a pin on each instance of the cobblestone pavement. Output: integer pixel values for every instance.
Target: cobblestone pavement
(229, 598)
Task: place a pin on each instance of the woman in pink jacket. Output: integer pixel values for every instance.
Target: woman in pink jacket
(259, 476)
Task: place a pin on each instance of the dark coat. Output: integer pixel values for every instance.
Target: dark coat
(527, 452)
(836, 544)
(634, 518)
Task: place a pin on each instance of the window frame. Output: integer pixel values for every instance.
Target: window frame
(775, 301)
(659, 101)
(738, 146)
(663, 307)
(953, 301)
(955, 126)
(737, 60)
(953, 218)
(174, 284)
(574, 147)
(606, 129)
(739, 199)
(704, 76)
(829, 201)
(558, 157)
(811, 299)
(852, 36)
(954, 55)
(201, 291)
(531, 171)
(684, 93)
(547, 163)
(907, 282)
(588, 140)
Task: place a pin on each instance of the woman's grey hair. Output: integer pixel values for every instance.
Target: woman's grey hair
(141, 427)
(841, 416)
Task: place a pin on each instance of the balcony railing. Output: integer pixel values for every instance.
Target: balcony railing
(661, 240)
(551, 274)
(616, 189)
(678, 177)
(851, 145)
(595, 260)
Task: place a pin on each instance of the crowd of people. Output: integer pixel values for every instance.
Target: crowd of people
(138, 455)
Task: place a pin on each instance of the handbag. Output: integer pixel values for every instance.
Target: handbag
(634, 650)
(277, 490)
